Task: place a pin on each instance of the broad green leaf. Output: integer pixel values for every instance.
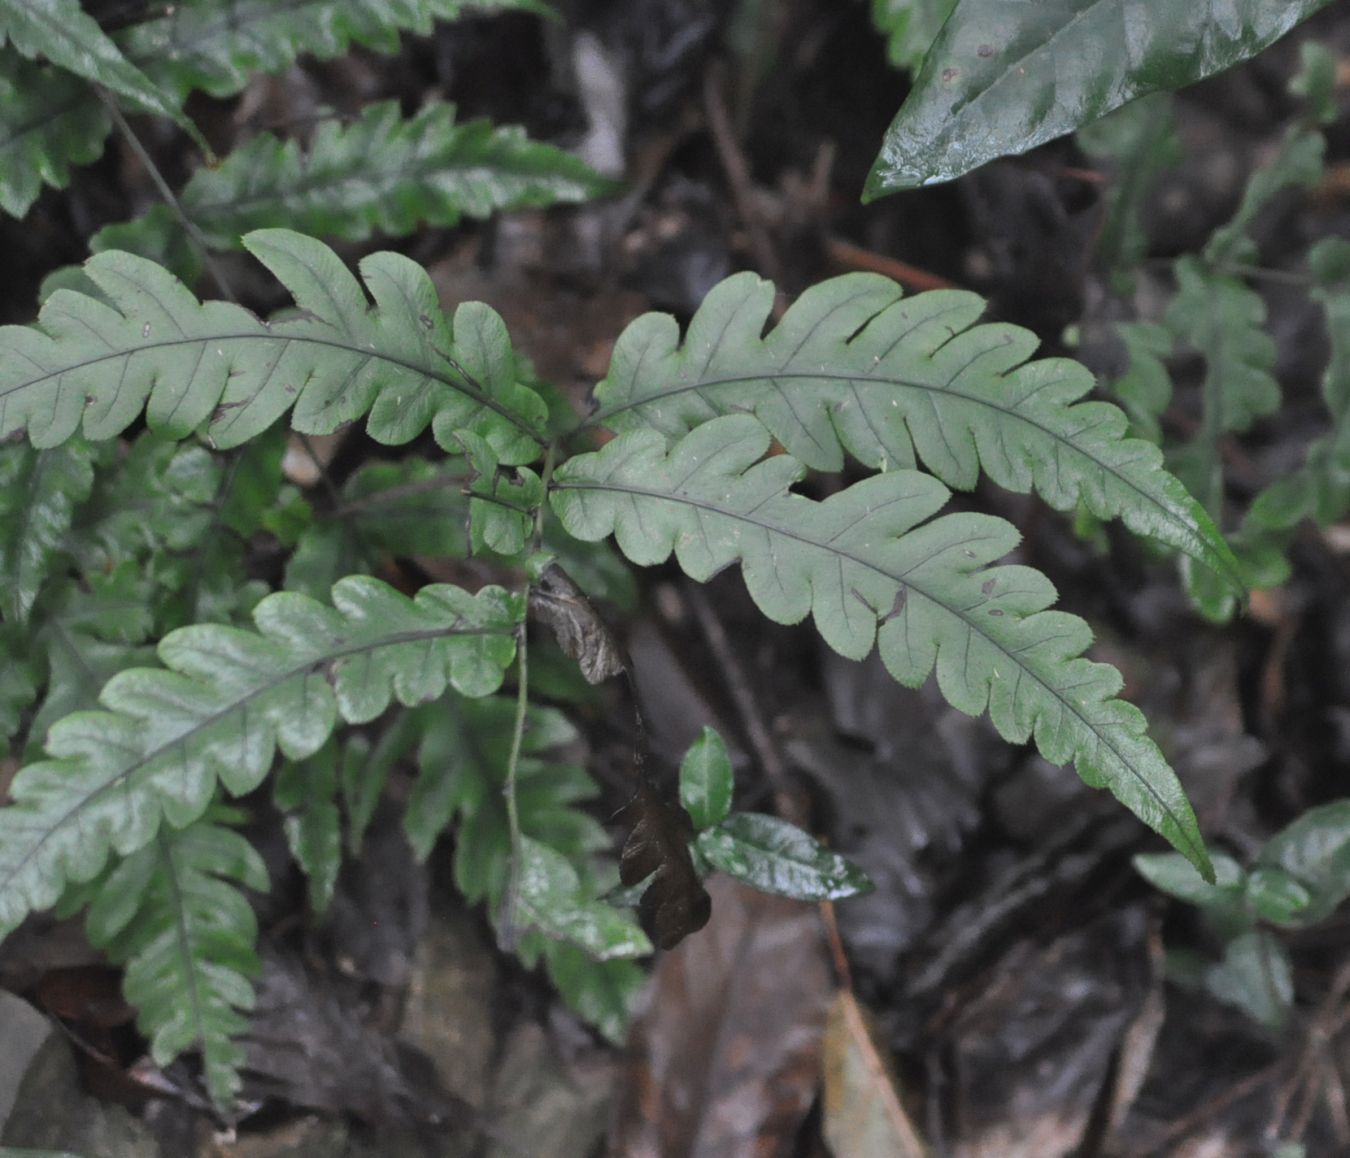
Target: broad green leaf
(229, 699)
(305, 792)
(869, 569)
(64, 34)
(706, 780)
(551, 901)
(1256, 976)
(380, 172)
(777, 857)
(49, 121)
(854, 366)
(910, 27)
(1315, 851)
(39, 493)
(187, 364)
(172, 913)
(1222, 899)
(1004, 77)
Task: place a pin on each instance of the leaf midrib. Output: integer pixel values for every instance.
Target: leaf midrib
(483, 399)
(309, 664)
(855, 380)
(970, 623)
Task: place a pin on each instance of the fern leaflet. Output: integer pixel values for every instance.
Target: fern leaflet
(187, 363)
(381, 172)
(861, 564)
(173, 914)
(229, 699)
(853, 366)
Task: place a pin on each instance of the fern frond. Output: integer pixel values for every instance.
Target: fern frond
(63, 33)
(305, 792)
(53, 120)
(867, 572)
(49, 121)
(39, 493)
(853, 366)
(217, 45)
(229, 699)
(381, 172)
(173, 914)
(187, 363)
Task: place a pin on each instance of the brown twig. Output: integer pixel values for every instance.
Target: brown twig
(846, 255)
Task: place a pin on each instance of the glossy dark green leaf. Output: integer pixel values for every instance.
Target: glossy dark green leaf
(777, 857)
(1004, 77)
(706, 780)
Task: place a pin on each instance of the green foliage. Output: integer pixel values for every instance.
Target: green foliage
(1298, 880)
(380, 172)
(1003, 78)
(172, 913)
(706, 780)
(60, 31)
(866, 569)
(229, 699)
(188, 364)
(910, 27)
(214, 46)
(854, 366)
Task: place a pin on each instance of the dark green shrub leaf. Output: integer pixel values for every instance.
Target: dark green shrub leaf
(774, 856)
(706, 780)
(1002, 78)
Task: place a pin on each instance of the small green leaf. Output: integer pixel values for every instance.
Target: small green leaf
(1004, 77)
(1315, 851)
(551, 901)
(1256, 976)
(706, 780)
(777, 857)
(501, 509)
(1177, 877)
(1277, 897)
(910, 27)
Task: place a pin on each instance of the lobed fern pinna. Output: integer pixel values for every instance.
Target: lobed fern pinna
(130, 796)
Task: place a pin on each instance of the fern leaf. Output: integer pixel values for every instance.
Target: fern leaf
(861, 564)
(305, 791)
(39, 493)
(173, 914)
(186, 363)
(216, 45)
(854, 367)
(49, 121)
(64, 34)
(381, 172)
(229, 699)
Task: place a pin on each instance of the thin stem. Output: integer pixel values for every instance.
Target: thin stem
(170, 198)
(507, 929)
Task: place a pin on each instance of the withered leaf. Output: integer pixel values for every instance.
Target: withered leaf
(557, 601)
(675, 903)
